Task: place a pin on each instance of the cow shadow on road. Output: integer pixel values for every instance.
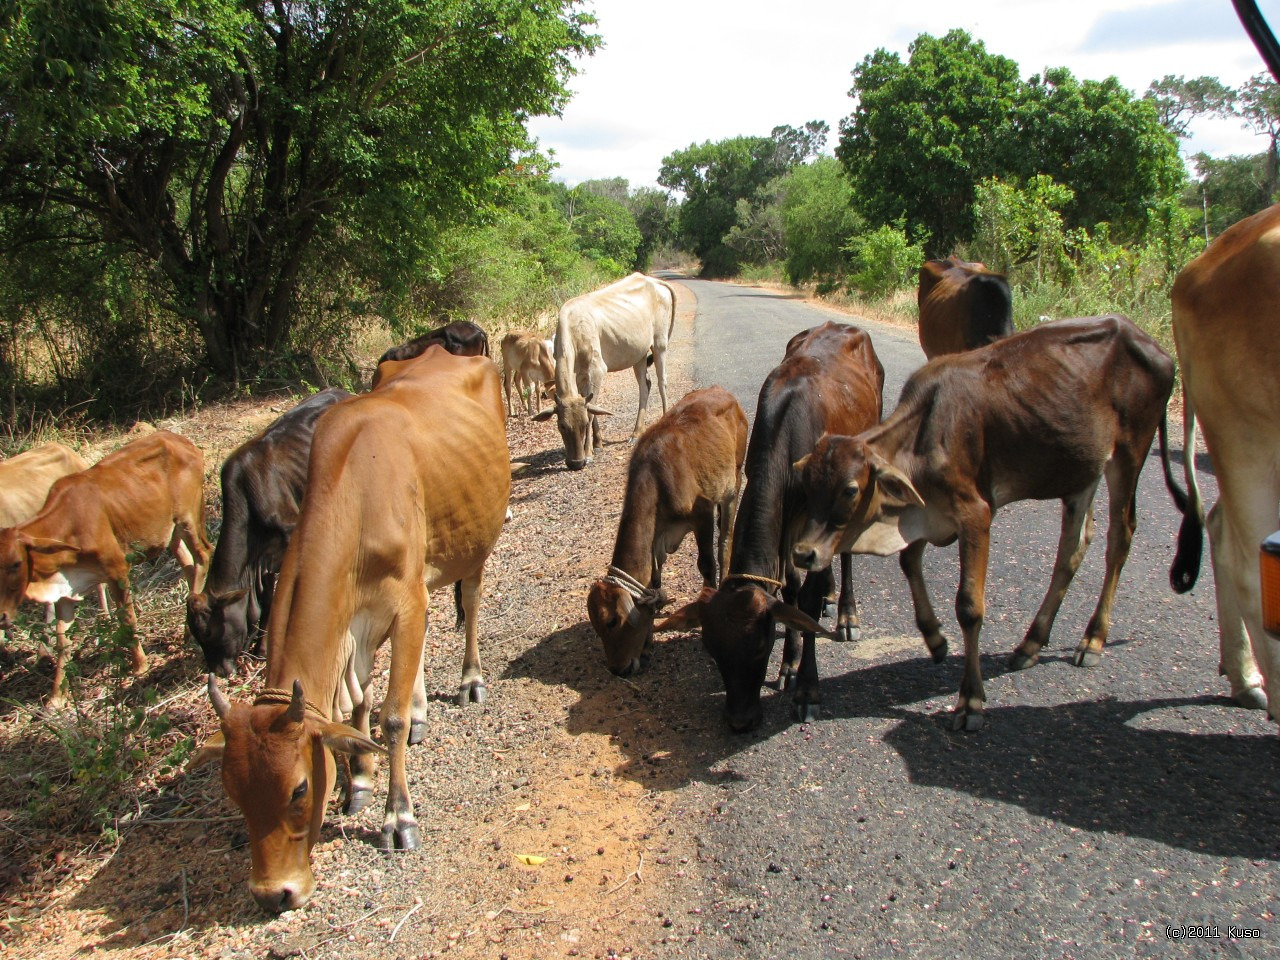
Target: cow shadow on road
(1176, 770)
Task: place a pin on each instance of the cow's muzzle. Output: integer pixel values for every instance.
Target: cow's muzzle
(280, 899)
(806, 556)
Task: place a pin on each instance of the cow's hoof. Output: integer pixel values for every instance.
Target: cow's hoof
(968, 721)
(939, 653)
(1023, 661)
(786, 680)
(808, 712)
(1086, 658)
(357, 800)
(1251, 698)
(473, 692)
(417, 731)
(400, 838)
(848, 633)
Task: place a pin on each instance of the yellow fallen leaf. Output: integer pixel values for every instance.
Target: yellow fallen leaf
(520, 809)
(528, 859)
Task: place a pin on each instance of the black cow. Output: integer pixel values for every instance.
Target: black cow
(262, 485)
(830, 380)
(462, 338)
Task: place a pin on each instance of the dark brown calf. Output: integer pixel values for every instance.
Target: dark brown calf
(963, 306)
(462, 338)
(1042, 415)
(684, 475)
(830, 381)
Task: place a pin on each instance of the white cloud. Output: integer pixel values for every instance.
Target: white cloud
(675, 73)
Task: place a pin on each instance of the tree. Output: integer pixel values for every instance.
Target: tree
(818, 221)
(237, 146)
(924, 133)
(1231, 188)
(1178, 101)
(1259, 104)
(655, 217)
(605, 229)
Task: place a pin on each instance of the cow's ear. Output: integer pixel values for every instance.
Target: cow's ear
(46, 557)
(544, 415)
(895, 486)
(345, 739)
(221, 600)
(800, 464)
(796, 618)
(211, 750)
(599, 411)
(689, 616)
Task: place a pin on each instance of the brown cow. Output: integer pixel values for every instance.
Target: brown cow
(963, 305)
(830, 381)
(526, 363)
(1041, 415)
(147, 495)
(684, 475)
(1224, 324)
(384, 521)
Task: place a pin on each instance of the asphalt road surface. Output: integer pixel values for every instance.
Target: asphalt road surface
(1124, 810)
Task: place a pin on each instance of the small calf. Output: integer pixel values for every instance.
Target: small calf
(526, 363)
(147, 495)
(684, 475)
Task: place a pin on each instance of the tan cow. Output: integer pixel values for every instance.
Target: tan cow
(684, 475)
(526, 364)
(25, 480)
(624, 325)
(1224, 326)
(963, 305)
(148, 495)
(407, 491)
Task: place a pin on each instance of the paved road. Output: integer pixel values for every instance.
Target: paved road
(1096, 808)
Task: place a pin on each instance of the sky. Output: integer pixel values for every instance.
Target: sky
(673, 73)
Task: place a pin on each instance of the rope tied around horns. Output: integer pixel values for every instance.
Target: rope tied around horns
(639, 592)
(274, 695)
(773, 585)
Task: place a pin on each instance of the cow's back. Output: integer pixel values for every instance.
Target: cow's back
(620, 324)
(962, 306)
(26, 478)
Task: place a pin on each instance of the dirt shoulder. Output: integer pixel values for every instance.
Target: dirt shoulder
(565, 763)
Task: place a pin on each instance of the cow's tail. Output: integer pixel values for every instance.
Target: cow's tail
(1186, 561)
(671, 328)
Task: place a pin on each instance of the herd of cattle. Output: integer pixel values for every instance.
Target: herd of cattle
(993, 417)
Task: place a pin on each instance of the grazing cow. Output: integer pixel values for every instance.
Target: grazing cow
(963, 305)
(462, 338)
(626, 324)
(25, 480)
(1042, 415)
(830, 381)
(147, 495)
(684, 475)
(1224, 328)
(384, 521)
(526, 363)
(262, 485)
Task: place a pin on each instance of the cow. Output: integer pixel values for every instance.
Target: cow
(526, 363)
(1228, 351)
(830, 381)
(626, 324)
(26, 478)
(148, 495)
(1041, 415)
(263, 481)
(684, 475)
(963, 305)
(384, 521)
(462, 338)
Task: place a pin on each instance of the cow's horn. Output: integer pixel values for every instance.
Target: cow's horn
(220, 703)
(298, 705)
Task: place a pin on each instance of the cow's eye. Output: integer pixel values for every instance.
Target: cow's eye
(299, 792)
(851, 491)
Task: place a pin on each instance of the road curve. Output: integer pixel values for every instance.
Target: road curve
(1100, 813)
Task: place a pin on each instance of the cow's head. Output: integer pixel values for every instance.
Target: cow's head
(25, 560)
(854, 499)
(624, 624)
(219, 623)
(573, 420)
(738, 631)
(278, 768)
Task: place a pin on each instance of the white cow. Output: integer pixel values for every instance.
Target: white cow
(1227, 329)
(613, 328)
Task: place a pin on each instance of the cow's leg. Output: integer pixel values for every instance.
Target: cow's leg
(704, 535)
(660, 372)
(473, 686)
(1235, 658)
(192, 551)
(791, 647)
(1122, 483)
(418, 707)
(911, 561)
(642, 382)
(362, 768)
(1077, 532)
(975, 545)
(848, 626)
(508, 375)
(400, 828)
(65, 613)
(808, 696)
(117, 570)
(725, 512)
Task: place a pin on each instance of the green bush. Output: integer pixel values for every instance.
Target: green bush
(883, 260)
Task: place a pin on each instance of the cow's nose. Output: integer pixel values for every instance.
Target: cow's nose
(805, 557)
(279, 899)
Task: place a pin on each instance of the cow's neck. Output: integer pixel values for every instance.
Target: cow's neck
(633, 550)
(757, 531)
(309, 635)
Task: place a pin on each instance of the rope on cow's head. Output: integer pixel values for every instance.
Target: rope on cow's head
(272, 695)
(639, 592)
(775, 585)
